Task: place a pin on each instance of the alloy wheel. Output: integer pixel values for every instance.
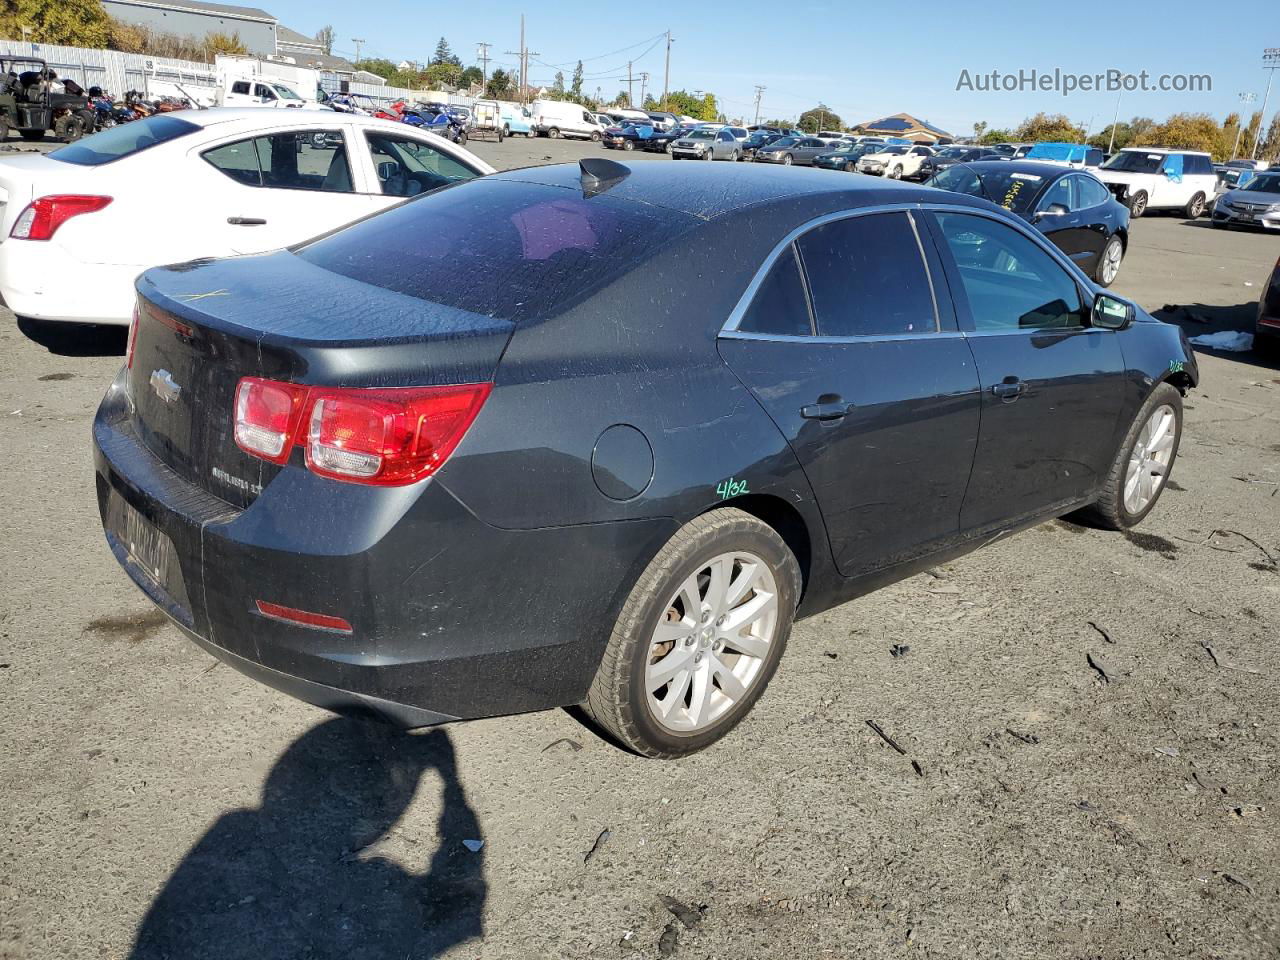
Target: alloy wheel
(712, 642)
(1111, 262)
(1149, 459)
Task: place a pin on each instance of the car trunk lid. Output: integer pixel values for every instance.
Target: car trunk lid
(202, 327)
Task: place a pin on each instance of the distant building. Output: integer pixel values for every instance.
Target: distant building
(193, 18)
(303, 51)
(903, 125)
(409, 66)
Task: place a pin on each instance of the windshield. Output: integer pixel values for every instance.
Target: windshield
(1012, 190)
(701, 135)
(285, 92)
(1135, 161)
(1264, 183)
(116, 142)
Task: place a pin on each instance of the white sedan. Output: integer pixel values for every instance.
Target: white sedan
(79, 224)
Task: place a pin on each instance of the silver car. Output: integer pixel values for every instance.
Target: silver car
(1256, 204)
(707, 143)
(792, 150)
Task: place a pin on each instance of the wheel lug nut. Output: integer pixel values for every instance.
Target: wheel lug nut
(697, 658)
(722, 621)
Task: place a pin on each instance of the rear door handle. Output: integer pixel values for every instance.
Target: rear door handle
(1011, 389)
(826, 410)
(246, 222)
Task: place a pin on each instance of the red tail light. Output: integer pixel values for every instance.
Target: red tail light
(381, 436)
(304, 618)
(133, 339)
(42, 217)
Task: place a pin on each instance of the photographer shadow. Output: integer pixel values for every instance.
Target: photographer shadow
(300, 876)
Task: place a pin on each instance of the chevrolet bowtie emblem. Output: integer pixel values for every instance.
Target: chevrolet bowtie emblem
(165, 387)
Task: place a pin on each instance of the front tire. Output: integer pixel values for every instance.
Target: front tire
(788, 160)
(628, 145)
(1137, 204)
(1195, 207)
(896, 172)
(595, 136)
(698, 638)
(1143, 463)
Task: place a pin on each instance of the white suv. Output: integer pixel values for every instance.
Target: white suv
(1154, 178)
(896, 161)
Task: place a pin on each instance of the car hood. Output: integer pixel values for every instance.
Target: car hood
(1259, 197)
(1122, 176)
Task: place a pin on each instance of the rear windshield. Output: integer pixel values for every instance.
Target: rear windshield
(504, 249)
(116, 142)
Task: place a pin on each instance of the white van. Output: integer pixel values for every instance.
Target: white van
(559, 118)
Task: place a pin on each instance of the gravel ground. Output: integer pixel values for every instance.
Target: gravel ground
(1088, 760)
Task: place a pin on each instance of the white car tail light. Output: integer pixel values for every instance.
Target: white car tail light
(43, 216)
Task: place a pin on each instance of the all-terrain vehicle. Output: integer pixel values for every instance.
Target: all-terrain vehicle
(30, 105)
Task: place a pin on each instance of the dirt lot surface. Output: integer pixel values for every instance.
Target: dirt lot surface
(1089, 765)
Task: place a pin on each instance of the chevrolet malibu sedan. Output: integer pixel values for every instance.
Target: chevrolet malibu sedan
(389, 493)
(1068, 205)
(79, 224)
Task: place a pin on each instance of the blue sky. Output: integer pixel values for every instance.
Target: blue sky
(865, 60)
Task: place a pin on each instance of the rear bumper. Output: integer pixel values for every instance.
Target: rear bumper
(39, 279)
(452, 618)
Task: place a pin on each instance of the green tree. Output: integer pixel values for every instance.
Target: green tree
(557, 87)
(324, 37)
(75, 23)
(226, 43)
(383, 68)
(818, 118)
(1190, 131)
(1250, 134)
(1271, 145)
(979, 130)
(621, 100)
(1044, 127)
(443, 53)
(499, 83)
(440, 75)
(650, 102)
(472, 76)
(575, 88)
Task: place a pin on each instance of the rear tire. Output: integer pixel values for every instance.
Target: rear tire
(788, 160)
(1109, 262)
(506, 129)
(554, 133)
(714, 682)
(1195, 207)
(1112, 509)
(628, 145)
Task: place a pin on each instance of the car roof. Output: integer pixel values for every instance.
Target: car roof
(1201, 153)
(1041, 168)
(268, 117)
(709, 191)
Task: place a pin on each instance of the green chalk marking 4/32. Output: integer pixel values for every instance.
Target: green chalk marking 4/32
(1175, 366)
(731, 488)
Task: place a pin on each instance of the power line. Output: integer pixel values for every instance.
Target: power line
(612, 53)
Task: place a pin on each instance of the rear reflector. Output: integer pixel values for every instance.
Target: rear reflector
(43, 216)
(317, 621)
(382, 436)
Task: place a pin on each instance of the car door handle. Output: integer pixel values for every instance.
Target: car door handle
(1011, 389)
(826, 410)
(246, 222)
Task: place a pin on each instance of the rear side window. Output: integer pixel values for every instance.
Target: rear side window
(240, 86)
(505, 249)
(124, 140)
(1092, 193)
(305, 160)
(780, 306)
(867, 277)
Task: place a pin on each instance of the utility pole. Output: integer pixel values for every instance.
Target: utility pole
(1114, 120)
(1245, 99)
(482, 54)
(1271, 62)
(759, 93)
(357, 43)
(630, 100)
(644, 83)
(523, 53)
(666, 72)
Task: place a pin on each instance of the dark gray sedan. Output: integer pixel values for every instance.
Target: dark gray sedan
(789, 150)
(1256, 204)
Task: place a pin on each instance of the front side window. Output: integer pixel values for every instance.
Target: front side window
(264, 92)
(780, 306)
(299, 160)
(867, 277)
(1010, 282)
(409, 167)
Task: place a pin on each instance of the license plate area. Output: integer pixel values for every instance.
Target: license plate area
(148, 556)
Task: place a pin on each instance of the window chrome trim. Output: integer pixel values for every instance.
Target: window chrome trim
(1010, 220)
(870, 338)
